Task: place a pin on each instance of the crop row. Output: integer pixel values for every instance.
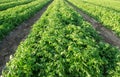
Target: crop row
(108, 17)
(13, 4)
(6, 1)
(109, 4)
(62, 44)
(14, 16)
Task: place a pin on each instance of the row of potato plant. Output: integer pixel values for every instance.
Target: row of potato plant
(109, 4)
(5, 6)
(12, 17)
(62, 44)
(6, 1)
(109, 17)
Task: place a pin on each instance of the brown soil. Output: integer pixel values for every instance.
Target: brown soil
(11, 41)
(107, 35)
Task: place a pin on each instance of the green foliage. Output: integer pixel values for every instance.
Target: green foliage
(103, 11)
(7, 1)
(62, 44)
(5, 6)
(12, 17)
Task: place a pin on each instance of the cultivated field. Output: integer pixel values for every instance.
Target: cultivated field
(60, 38)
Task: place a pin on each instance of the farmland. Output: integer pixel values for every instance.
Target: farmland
(61, 43)
(18, 14)
(108, 15)
(5, 6)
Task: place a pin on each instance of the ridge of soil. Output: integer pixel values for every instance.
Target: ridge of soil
(107, 35)
(10, 43)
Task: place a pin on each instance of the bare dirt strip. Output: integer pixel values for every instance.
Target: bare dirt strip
(11, 41)
(107, 35)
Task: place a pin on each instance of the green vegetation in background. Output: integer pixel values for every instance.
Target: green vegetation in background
(12, 17)
(109, 4)
(108, 17)
(7, 1)
(13, 4)
(62, 44)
